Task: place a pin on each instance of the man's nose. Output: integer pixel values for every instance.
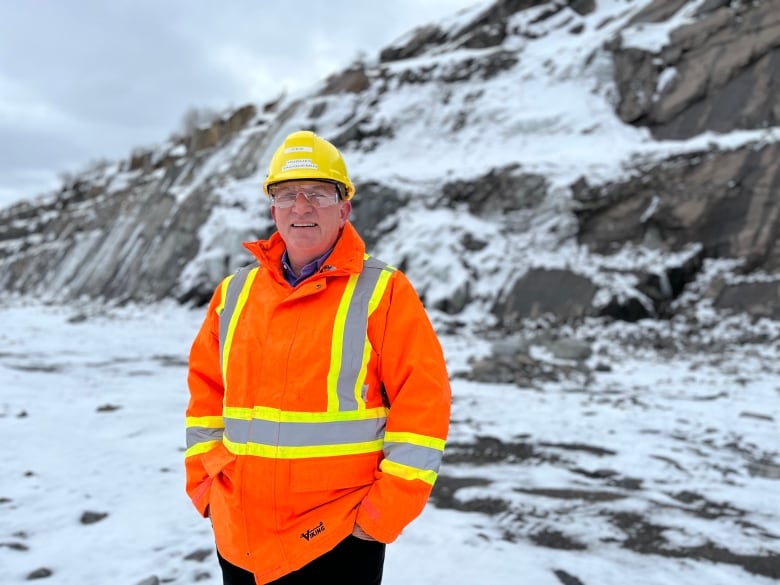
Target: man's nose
(301, 198)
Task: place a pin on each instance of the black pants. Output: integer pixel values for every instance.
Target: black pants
(352, 562)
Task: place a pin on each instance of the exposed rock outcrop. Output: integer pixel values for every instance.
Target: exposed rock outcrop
(725, 201)
(169, 221)
(720, 70)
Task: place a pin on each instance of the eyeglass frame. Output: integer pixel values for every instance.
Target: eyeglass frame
(314, 198)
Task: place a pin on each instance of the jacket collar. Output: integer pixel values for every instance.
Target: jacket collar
(347, 255)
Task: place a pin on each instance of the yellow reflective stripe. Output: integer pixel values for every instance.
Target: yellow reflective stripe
(276, 415)
(361, 404)
(373, 303)
(336, 343)
(234, 320)
(199, 448)
(223, 294)
(209, 422)
(407, 472)
(415, 439)
(235, 412)
(275, 452)
(379, 291)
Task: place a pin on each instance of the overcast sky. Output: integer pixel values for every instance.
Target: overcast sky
(89, 79)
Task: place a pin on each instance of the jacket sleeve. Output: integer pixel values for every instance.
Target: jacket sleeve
(205, 455)
(414, 374)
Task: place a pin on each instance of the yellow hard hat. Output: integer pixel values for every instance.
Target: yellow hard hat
(304, 155)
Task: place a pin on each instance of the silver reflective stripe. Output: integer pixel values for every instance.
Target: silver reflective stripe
(355, 329)
(374, 263)
(298, 434)
(234, 287)
(413, 455)
(197, 435)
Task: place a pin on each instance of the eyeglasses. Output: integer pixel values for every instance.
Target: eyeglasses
(287, 196)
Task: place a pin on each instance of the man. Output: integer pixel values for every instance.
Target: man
(319, 395)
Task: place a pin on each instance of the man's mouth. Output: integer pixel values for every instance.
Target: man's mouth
(304, 225)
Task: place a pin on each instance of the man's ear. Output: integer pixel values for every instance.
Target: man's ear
(346, 209)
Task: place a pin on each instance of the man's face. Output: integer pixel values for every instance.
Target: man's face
(308, 229)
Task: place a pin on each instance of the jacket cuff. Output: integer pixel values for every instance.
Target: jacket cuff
(368, 519)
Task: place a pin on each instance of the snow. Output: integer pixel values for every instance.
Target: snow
(653, 37)
(63, 369)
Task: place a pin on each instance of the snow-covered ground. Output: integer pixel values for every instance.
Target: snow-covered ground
(641, 465)
(92, 420)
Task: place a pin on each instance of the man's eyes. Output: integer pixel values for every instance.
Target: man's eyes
(307, 194)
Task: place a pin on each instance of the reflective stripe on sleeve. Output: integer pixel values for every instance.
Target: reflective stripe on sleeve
(199, 448)
(407, 472)
(203, 434)
(416, 439)
(412, 456)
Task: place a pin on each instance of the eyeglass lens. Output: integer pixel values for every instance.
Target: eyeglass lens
(288, 197)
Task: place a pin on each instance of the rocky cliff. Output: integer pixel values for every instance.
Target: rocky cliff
(651, 185)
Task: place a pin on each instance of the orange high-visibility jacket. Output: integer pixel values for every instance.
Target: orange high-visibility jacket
(289, 439)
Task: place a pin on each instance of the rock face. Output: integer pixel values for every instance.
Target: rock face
(719, 72)
(127, 232)
(723, 204)
(501, 190)
(725, 201)
(169, 221)
(131, 243)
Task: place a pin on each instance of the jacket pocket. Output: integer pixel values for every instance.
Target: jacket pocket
(221, 467)
(333, 473)
(217, 459)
